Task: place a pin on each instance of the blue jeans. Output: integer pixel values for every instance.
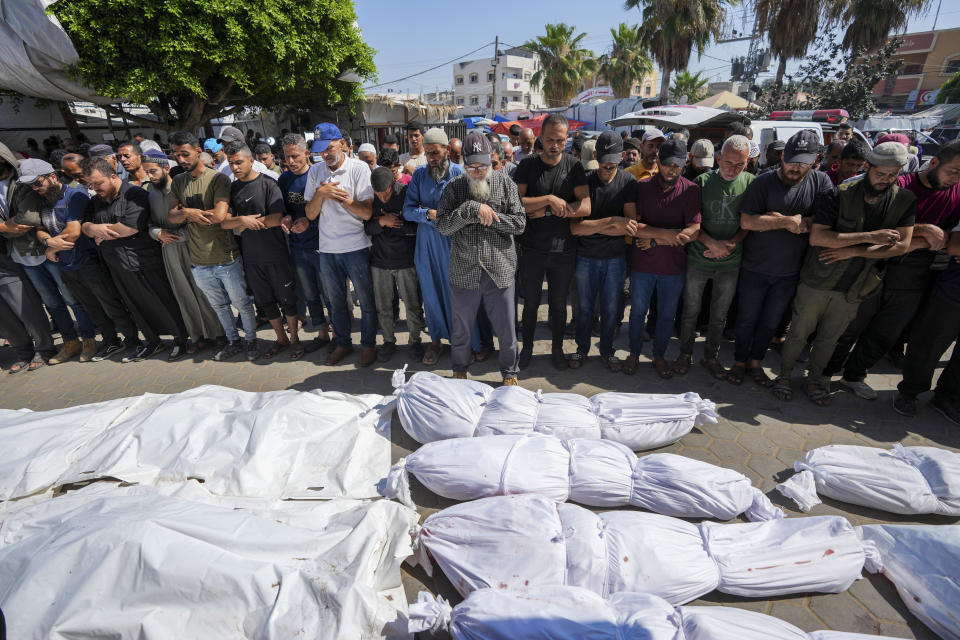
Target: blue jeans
(603, 276)
(223, 285)
(56, 297)
(763, 300)
(335, 268)
(310, 295)
(669, 290)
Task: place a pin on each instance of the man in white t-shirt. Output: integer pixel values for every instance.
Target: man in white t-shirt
(232, 134)
(338, 191)
(415, 139)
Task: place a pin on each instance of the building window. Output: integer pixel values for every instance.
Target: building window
(474, 100)
(490, 76)
(459, 80)
(647, 90)
(473, 78)
(526, 75)
(952, 67)
(459, 101)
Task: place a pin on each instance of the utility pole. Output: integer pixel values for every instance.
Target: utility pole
(496, 61)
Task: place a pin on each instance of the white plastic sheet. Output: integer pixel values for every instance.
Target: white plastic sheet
(923, 563)
(562, 613)
(906, 480)
(273, 444)
(142, 563)
(530, 541)
(432, 408)
(598, 473)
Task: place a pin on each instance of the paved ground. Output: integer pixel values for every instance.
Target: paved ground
(757, 435)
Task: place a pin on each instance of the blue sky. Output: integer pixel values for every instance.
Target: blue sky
(413, 36)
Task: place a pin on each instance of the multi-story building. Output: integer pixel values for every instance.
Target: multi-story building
(474, 82)
(646, 87)
(929, 59)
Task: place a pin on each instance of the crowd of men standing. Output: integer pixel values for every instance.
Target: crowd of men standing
(836, 256)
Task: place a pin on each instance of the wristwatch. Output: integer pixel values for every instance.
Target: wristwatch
(44, 243)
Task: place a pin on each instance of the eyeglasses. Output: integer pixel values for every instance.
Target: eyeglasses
(479, 168)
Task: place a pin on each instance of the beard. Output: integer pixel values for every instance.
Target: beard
(872, 191)
(479, 189)
(52, 195)
(162, 182)
(933, 177)
(437, 172)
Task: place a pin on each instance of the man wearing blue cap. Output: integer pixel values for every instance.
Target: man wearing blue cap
(339, 196)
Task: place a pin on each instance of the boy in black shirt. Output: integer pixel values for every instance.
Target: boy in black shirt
(391, 262)
(256, 204)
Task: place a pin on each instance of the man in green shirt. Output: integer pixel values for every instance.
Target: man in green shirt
(715, 255)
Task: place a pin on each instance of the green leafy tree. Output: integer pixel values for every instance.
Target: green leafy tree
(193, 60)
(790, 25)
(626, 63)
(950, 90)
(690, 85)
(672, 28)
(869, 22)
(564, 63)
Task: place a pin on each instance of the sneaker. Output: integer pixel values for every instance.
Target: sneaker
(511, 382)
(253, 351)
(178, 351)
(860, 389)
(905, 405)
(559, 359)
(386, 351)
(946, 408)
(148, 350)
(107, 350)
(89, 349)
(417, 349)
(130, 355)
(526, 355)
(69, 349)
(228, 350)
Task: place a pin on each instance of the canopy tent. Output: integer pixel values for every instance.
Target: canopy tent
(926, 119)
(726, 100)
(533, 123)
(679, 115)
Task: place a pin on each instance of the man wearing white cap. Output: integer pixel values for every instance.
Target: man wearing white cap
(649, 146)
(368, 153)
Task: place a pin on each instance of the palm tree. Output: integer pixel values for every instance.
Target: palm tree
(671, 28)
(690, 85)
(869, 22)
(791, 25)
(563, 63)
(626, 63)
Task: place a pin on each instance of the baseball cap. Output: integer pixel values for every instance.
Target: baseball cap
(230, 134)
(366, 146)
(323, 134)
(777, 145)
(609, 148)
(673, 152)
(381, 178)
(653, 134)
(754, 150)
(101, 151)
(588, 155)
(803, 146)
(632, 143)
(476, 149)
(32, 168)
(702, 153)
(885, 154)
(211, 145)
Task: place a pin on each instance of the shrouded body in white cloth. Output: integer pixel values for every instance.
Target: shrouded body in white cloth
(432, 408)
(142, 563)
(907, 480)
(275, 444)
(598, 473)
(570, 613)
(530, 541)
(923, 563)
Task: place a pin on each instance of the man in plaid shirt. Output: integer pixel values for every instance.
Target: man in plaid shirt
(483, 212)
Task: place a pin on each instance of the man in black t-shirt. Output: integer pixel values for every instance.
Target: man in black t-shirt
(601, 256)
(256, 204)
(553, 188)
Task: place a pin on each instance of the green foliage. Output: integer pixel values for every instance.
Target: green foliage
(192, 60)
(834, 79)
(626, 64)
(690, 85)
(950, 90)
(868, 22)
(563, 63)
(790, 25)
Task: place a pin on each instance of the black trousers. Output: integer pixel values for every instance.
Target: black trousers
(22, 319)
(92, 285)
(558, 269)
(151, 302)
(937, 326)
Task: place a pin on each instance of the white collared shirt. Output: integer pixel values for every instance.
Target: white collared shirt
(339, 230)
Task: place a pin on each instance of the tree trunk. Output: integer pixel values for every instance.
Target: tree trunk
(781, 70)
(69, 120)
(665, 85)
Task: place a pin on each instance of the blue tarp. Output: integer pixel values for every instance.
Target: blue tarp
(500, 118)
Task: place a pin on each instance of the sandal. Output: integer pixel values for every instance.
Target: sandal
(316, 344)
(714, 367)
(759, 377)
(662, 368)
(274, 349)
(297, 350)
(781, 389)
(36, 363)
(18, 366)
(613, 363)
(817, 394)
(575, 360)
(630, 365)
(736, 373)
(432, 355)
(682, 364)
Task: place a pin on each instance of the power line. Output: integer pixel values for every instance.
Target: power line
(420, 73)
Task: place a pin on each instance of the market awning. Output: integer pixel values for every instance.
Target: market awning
(533, 123)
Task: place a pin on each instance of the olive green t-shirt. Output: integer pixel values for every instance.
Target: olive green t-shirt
(209, 244)
(720, 210)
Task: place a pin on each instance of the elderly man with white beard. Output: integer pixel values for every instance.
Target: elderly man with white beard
(482, 211)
